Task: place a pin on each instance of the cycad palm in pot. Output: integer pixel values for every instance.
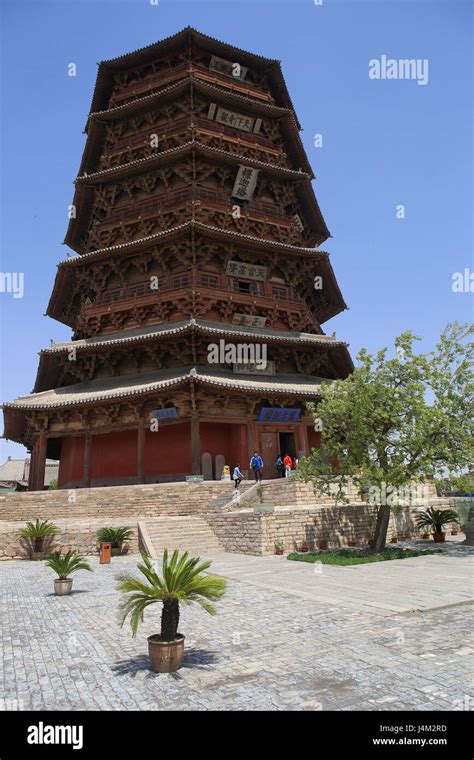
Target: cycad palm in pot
(437, 519)
(116, 536)
(64, 566)
(37, 532)
(181, 582)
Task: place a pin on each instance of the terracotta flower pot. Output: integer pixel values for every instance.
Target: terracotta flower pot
(303, 549)
(352, 543)
(393, 540)
(439, 537)
(279, 551)
(454, 532)
(165, 656)
(425, 535)
(62, 586)
(322, 546)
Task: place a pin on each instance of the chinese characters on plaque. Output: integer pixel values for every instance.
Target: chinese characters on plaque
(247, 271)
(245, 183)
(233, 119)
(298, 223)
(229, 68)
(170, 413)
(248, 320)
(270, 414)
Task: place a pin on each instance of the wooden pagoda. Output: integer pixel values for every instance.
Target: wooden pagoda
(195, 224)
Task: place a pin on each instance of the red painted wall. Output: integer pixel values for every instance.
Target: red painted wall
(168, 450)
(314, 438)
(229, 440)
(114, 455)
(71, 464)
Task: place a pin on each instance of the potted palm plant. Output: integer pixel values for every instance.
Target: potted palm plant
(64, 566)
(181, 582)
(437, 519)
(36, 533)
(116, 536)
(278, 547)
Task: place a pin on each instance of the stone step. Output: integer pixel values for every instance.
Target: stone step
(190, 533)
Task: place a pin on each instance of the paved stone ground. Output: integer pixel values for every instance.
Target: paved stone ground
(390, 636)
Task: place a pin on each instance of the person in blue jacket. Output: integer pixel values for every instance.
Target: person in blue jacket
(256, 464)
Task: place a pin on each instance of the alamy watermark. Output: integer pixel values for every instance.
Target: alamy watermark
(12, 282)
(402, 68)
(254, 354)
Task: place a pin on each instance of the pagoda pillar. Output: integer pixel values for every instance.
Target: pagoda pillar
(40, 462)
(87, 459)
(302, 439)
(250, 441)
(195, 445)
(141, 431)
(33, 462)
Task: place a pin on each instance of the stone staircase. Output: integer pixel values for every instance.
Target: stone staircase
(190, 532)
(120, 502)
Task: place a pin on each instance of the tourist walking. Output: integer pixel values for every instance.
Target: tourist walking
(256, 464)
(237, 476)
(288, 462)
(280, 467)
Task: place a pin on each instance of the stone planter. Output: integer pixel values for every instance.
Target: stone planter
(62, 586)
(165, 656)
(115, 551)
(38, 556)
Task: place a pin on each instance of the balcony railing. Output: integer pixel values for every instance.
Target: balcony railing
(138, 139)
(131, 212)
(148, 289)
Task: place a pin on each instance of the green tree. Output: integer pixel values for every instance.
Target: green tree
(394, 421)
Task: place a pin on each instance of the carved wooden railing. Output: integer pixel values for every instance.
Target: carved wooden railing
(143, 290)
(136, 210)
(138, 139)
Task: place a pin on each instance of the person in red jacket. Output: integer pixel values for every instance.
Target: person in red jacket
(287, 461)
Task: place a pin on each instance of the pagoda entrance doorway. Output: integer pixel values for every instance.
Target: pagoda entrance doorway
(287, 444)
(272, 444)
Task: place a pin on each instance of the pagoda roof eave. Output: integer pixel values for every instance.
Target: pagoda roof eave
(62, 280)
(153, 333)
(84, 193)
(285, 115)
(135, 167)
(107, 68)
(96, 393)
(141, 243)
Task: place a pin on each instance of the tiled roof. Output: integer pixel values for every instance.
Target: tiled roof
(108, 67)
(184, 148)
(200, 226)
(206, 327)
(109, 389)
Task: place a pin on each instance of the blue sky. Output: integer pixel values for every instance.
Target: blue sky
(385, 143)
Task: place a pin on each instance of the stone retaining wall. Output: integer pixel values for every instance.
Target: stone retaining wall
(75, 535)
